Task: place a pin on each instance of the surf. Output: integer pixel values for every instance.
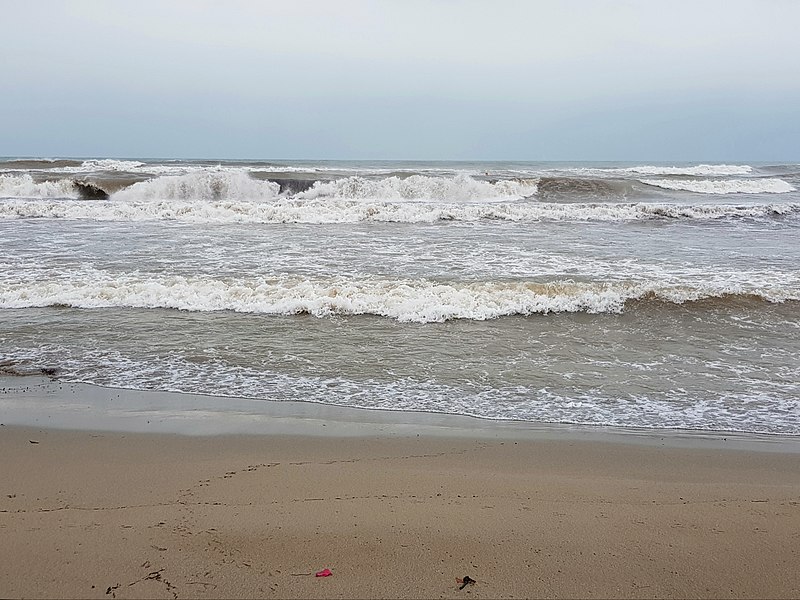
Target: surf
(405, 300)
(724, 186)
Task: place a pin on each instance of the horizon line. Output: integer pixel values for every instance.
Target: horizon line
(445, 160)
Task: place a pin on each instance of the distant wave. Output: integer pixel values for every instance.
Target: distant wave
(274, 209)
(420, 301)
(180, 167)
(724, 186)
(698, 170)
(20, 164)
(69, 165)
(177, 167)
(107, 164)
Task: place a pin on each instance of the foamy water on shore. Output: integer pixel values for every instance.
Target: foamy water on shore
(629, 295)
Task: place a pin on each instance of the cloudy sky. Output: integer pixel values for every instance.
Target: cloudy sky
(447, 79)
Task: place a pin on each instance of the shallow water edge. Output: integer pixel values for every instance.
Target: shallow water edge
(34, 401)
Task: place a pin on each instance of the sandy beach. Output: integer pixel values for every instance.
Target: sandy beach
(132, 515)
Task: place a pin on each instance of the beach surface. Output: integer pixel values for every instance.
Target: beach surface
(104, 514)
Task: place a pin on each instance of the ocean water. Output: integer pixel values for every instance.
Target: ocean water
(610, 294)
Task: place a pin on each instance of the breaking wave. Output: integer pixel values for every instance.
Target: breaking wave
(238, 184)
(201, 185)
(724, 186)
(444, 194)
(273, 209)
(460, 188)
(421, 301)
(24, 186)
(107, 164)
(697, 171)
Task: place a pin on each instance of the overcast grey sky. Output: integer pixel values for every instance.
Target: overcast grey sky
(559, 80)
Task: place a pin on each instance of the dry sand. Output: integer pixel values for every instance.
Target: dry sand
(92, 514)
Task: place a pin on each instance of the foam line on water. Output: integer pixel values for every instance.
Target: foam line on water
(413, 300)
(272, 209)
(460, 188)
(696, 170)
(724, 186)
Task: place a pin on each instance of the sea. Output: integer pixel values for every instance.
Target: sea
(625, 295)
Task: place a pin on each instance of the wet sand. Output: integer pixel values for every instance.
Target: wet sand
(132, 515)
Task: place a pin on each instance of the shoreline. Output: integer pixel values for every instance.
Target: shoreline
(39, 401)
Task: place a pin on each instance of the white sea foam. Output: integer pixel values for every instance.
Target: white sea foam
(724, 186)
(692, 171)
(201, 185)
(698, 170)
(237, 184)
(106, 164)
(127, 206)
(460, 188)
(417, 300)
(176, 168)
(23, 186)
(753, 410)
(232, 185)
(184, 168)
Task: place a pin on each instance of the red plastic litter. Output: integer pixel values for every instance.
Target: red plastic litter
(324, 573)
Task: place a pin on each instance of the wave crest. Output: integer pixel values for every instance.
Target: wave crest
(422, 301)
(201, 185)
(697, 171)
(724, 186)
(460, 188)
(107, 164)
(288, 210)
(24, 186)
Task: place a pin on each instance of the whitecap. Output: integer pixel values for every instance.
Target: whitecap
(724, 186)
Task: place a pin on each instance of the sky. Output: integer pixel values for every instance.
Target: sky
(659, 80)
